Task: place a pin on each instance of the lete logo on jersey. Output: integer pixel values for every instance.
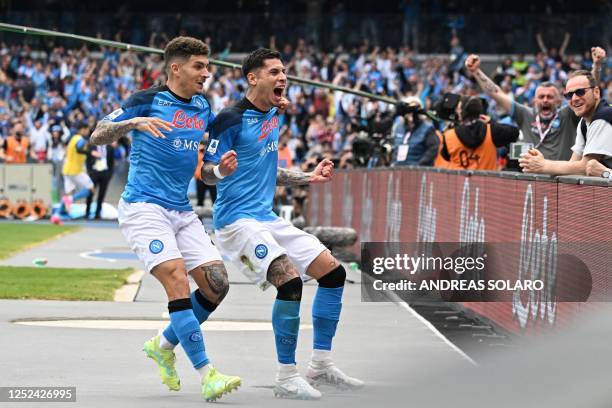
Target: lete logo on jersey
(267, 127)
(181, 120)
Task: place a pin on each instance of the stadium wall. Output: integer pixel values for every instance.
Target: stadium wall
(533, 214)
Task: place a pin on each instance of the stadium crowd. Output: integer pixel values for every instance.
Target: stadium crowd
(45, 96)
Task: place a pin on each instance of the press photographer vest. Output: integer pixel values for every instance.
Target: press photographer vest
(483, 157)
(16, 149)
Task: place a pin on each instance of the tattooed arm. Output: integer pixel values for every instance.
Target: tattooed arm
(107, 132)
(321, 174)
(599, 56)
(227, 165)
(472, 63)
(286, 177)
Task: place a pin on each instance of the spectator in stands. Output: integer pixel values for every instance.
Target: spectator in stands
(473, 144)
(40, 138)
(596, 169)
(17, 146)
(100, 163)
(594, 134)
(551, 129)
(415, 140)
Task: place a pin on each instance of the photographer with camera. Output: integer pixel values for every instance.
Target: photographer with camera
(473, 143)
(415, 142)
(373, 144)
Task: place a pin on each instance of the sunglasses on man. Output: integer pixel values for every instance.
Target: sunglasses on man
(579, 93)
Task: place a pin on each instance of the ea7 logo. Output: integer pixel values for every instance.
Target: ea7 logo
(161, 102)
(252, 121)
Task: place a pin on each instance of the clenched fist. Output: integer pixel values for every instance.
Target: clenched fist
(472, 63)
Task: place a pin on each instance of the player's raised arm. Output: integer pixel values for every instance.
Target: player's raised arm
(321, 174)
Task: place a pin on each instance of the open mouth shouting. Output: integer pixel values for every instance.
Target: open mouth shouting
(278, 92)
(547, 111)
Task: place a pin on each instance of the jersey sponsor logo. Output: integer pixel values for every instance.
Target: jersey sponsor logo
(182, 121)
(212, 147)
(269, 148)
(156, 246)
(114, 114)
(261, 251)
(267, 127)
(164, 103)
(185, 144)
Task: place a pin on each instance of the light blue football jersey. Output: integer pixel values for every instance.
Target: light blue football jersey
(161, 169)
(253, 135)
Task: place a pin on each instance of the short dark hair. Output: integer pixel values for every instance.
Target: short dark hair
(257, 58)
(183, 48)
(471, 107)
(549, 84)
(588, 74)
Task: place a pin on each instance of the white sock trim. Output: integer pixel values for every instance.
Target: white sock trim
(321, 356)
(203, 370)
(164, 343)
(286, 370)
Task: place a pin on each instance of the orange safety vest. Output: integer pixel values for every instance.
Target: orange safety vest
(16, 150)
(483, 157)
(284, 158)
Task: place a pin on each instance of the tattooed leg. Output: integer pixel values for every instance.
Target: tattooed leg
(281, 271)
(212, 281)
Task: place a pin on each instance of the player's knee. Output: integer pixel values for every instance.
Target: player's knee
(218, 282)
(333, 279)
(291, 290)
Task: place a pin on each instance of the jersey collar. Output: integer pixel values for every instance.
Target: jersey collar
(248, 105)
(180, 98)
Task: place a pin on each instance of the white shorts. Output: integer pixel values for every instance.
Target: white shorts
(252, 245)
(157, 234)
(80, 181)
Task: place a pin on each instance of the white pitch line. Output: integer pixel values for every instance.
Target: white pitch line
(398, 301)
(87, 255)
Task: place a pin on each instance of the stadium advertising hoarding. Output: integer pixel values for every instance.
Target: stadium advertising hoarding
(533, 227)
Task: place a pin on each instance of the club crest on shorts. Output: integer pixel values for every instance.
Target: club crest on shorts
(261, 251)
(156, 246)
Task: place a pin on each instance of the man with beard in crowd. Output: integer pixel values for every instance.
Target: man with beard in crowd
(551, 129)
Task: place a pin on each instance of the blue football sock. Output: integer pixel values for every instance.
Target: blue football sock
(202, 308)
(83, 193)
(187, 329)
(286, 324)
(326, 309)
